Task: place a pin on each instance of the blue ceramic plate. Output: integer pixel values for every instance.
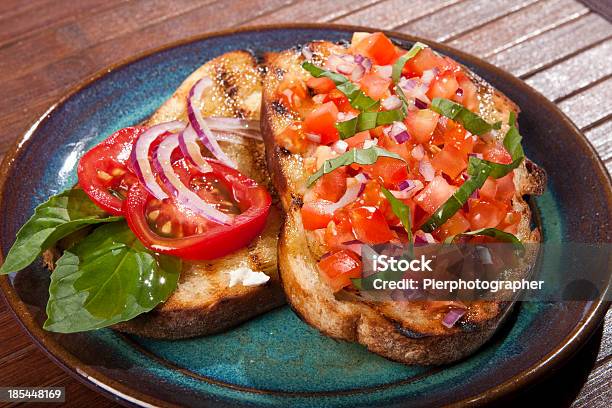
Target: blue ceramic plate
(276, 359)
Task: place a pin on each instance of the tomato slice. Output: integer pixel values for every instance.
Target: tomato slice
(338, 268)
(104, 173)
(165, 227)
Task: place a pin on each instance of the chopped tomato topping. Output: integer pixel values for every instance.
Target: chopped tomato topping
(341, 101)
(331, 186)
(457, 224)
(425, 60)
(467, 93)
(444, 85)
(434, 195)
(370, 225)
(449, 161)
(501, 190)
(357, 140)
(292, 138)
(322, 121)
(316, 214)
(484, 214)
(374, 86)
(338, 268)
(337, 234)
(321, 85)
(377, 47)
(421, 124)
(456, 136)
(388, 170)
(510, 222)
(497, 153)
(292, 92)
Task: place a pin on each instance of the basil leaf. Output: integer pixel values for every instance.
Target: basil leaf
(359, 156)
(356, 97)
(366, 121)
(399, 64)
(470, 121)
(107, 278)
(478, 176)
(54, 219)
(401, 210)
(499, 235)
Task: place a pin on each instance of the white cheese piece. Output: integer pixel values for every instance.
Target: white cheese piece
(247, 277)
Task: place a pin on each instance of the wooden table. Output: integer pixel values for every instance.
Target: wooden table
(559, 47)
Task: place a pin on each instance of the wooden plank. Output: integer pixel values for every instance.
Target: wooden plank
(598, 392)
(458, 18)
(312, 11)
(518, 27)
(574, 73)
(388, 15)
(601, 138)
(9, 8)
(51, 14)
(554, 45)
(590, 105)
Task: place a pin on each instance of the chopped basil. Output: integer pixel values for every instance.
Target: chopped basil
(107, 278)
(368, 120)
(401, 210)
(356, 97)
(478, 176)
(359, 156)
(499, 235)
(59, 216)
(479, 170)
(470, 121)
(399, 64)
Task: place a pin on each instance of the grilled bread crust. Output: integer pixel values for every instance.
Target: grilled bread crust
(408, 333)
(204, 303)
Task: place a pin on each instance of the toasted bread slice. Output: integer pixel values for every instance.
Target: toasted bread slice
(204, 303)
(412, 333)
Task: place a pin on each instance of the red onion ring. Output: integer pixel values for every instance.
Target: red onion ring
(199, 124)
(140, 156)
(163, 162)
(188, 142)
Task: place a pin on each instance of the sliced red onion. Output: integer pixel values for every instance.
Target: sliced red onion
(484, 255)
(342, 117)
(140, 156)
(357, 73)
(401, 194)
(392, 102)
(453, 317)
(199, 124)
(359, 58)
(402, 137)
(429, 75)
(369, 143)
(385, 71)
(345, 68)
(459, 92)
(418, 152)
(313, 137)
(333, 61)
(362, 178)
(231, 124)
(421, 237)
(477, 155)
(414, 89)
(397, 128)
(426, 170)
(307, 53)
(353, 187)
(340, 146)
(163, 160)
(191, 150)
(420, 104)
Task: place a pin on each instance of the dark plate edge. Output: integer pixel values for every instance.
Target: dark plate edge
(128, 396)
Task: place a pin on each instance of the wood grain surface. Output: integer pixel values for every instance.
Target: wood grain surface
(560, 47)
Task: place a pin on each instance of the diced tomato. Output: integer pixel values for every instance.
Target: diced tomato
(331, 186)
(449, 161)
(322, 121)
(444, 85)
(292, 92)
(484, 214)
(425, 60)
(338, 268)
(370, 225)
(488, 191)
(336, 234)
(341, 101)
(390, 171)
(468, 96)
(434, 194)
(377, 47)
(421, 124)
(316, 214)
(321, 85)
(505, 187)
(374, 86)
(497, 153)
(371, 195)
(377, 132)
(356, 141)
(404, 150)
(510, 222)
(456, 224)
(456, 136)
(292, 138)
